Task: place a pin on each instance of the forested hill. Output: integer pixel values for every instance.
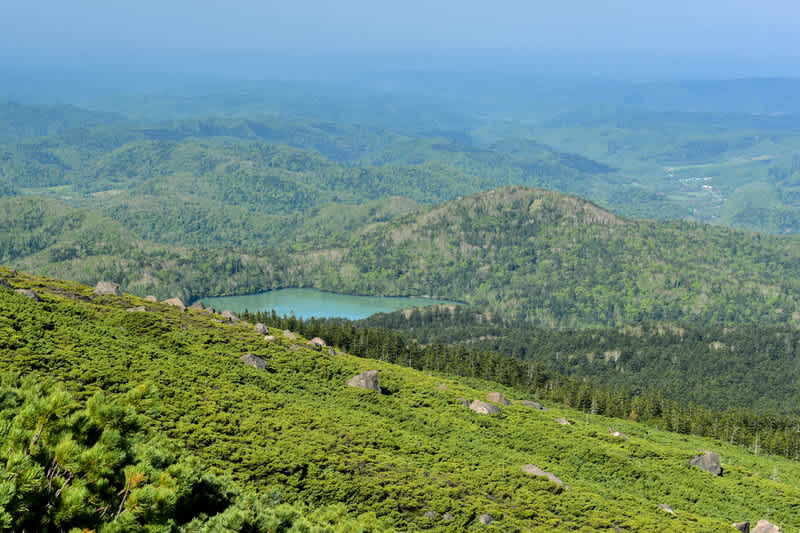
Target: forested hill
(556, 260)
(124, 414)
(537, 256)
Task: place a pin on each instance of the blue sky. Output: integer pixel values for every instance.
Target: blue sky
(754, 35)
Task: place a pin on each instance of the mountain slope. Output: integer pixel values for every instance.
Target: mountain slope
(556, 260)
(407, 456)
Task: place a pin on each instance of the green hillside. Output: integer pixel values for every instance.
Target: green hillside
(555, 260)
(409, 458)
(529, 255)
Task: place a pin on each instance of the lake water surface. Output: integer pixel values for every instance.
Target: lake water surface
(305, 303)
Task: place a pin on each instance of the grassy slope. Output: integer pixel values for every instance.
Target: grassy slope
(398, 454)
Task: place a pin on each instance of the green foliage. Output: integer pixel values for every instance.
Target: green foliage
(345, 458)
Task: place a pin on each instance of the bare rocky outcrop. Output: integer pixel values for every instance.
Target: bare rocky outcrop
(176, 302)
(743, 527)
(497, 397)
(765, 527)
(485, 519)
(708, 461)
(366, 380)
(534, 405)
(270, 338)
(261, 328)
(318, 342)
(289, 335)
(563, 421)
(536, 471)
(666, 508)
(230, 316)
(483, 408)
(254, 361)
(28, 293)
(198, 306)
(104, 288)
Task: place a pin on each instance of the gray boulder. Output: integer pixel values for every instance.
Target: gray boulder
(447, 517)
(176, 302)
(743, 527)
(318, 342)
(366, 380)
(261, 328)
(765, 527)
(28, 293)
(150, 298)
(106, 287)
(230, 316)
(254, 361)
(618, 434)
(666, 508)
(563, 421)
(708, 461)
(536, 471)
(483, 408)
(331, 350)
(270, 338)
(289, 335)
(497, 397)
(430, 515)
(485, 519)
(534, 405)
(464, 402)
(136, 309)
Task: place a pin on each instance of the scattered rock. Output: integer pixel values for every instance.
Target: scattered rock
(198, 306)
(311, 346)
(294, 347)
(464, 402)
(254, 361)
(136, 309)
(744, 527)
(430, 515)
(535, 405)
(666, 508)
(150, 298)
(765, 527)
(563, 421)
(230, 316)
(4, 283)
(497, 397)
(709, 462)
(28, 293)
(261, 328)
(485, 519)
(618, 434)
(484, 408)
(536, 471)
(289, 335)
(441, 386)
(318, 342)
(447, 517)
(331, 351)
(270, 338)
(366, 380)
(106, 287)
(176, 302)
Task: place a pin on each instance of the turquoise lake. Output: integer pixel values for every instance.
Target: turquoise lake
(305, 303)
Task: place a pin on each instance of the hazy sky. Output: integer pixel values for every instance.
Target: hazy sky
(762, 34)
